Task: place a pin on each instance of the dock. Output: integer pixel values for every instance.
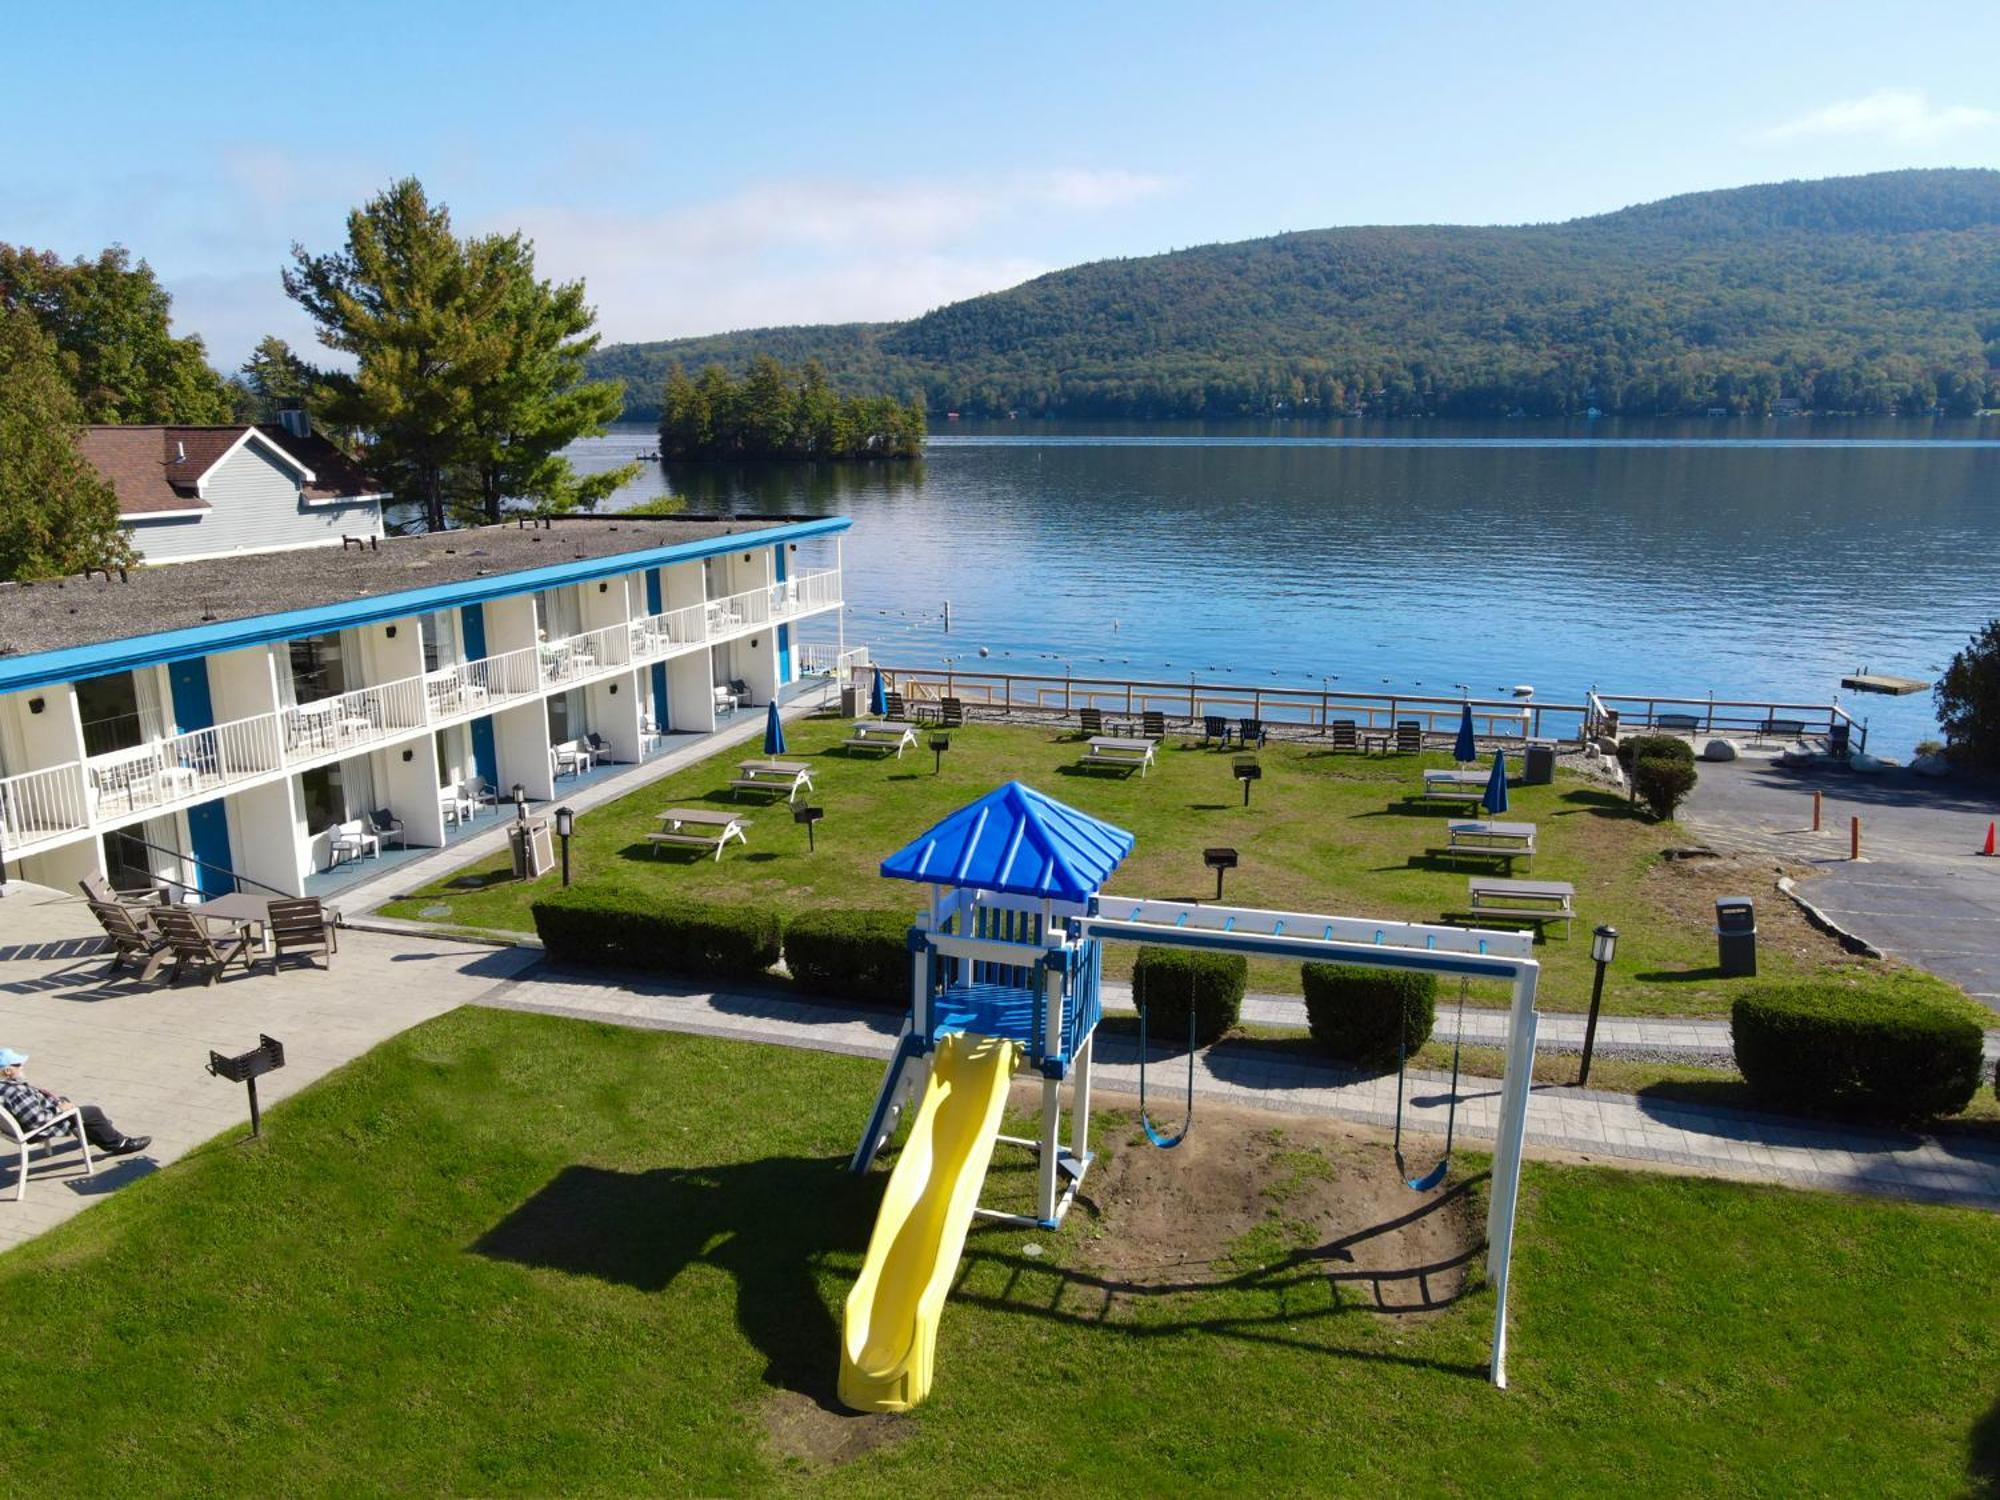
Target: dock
(1883, 682)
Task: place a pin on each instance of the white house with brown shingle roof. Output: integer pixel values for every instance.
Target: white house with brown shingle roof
(199, 492)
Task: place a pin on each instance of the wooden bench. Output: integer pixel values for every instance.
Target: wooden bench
(1536, 901)
(1687, 724)
(1782, 729)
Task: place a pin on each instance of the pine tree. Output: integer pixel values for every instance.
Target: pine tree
(57, 515)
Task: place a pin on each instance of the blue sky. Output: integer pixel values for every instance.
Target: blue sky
(726, 166)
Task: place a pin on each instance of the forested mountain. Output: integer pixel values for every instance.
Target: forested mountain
(1878, 293)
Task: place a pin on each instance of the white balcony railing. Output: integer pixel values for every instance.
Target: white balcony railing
(806, 593)
(669, 632)
(40, 805)
(173, 770)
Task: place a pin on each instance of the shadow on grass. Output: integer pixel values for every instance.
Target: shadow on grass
(479, 880)
(768, 1224)
(1604, 805)
(1086, 1299)
(1983, 1463)
(1680, 976)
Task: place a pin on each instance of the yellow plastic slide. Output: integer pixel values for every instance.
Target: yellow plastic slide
(889, 1345)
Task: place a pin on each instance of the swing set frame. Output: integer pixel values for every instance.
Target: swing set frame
(1047, 957)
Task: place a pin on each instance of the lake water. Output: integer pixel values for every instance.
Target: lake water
(1754, 560)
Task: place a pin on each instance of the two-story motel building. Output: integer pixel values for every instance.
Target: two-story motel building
(212, 719)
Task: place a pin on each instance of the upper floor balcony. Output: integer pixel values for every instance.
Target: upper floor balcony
(39, 808)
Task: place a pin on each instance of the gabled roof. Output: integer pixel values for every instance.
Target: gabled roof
(1016, 841)
(158, 470)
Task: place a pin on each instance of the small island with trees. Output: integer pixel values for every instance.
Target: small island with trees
(775, 411)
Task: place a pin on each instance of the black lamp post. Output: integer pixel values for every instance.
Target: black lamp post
(1219, 860)
(939, 744)
(1603, 944)
(565, 826)
(1248, 771)
(520, 802)
(808, 816)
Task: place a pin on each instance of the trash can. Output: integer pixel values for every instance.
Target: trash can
(850, 702)
(1736, 936)
(520, 839)
(1539, 764)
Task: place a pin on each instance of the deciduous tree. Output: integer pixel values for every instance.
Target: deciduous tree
(57, 515)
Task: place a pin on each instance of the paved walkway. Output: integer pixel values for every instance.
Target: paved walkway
(1690, 1038)
(1948, 1168)
(1920, 891)
(141, 1051)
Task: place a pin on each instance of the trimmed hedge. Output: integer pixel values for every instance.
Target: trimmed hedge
(1355, 1012)
(1662, 782)
(1169, 978)
(1906, 1047)
(851, 955)
(1640, 747)
(629, 931)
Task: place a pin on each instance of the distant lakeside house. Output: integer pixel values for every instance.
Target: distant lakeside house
(188, 493)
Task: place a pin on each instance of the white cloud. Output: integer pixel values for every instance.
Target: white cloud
(1905, 116)
(815, 251)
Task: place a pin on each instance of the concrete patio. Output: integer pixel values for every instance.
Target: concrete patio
(140, 1051)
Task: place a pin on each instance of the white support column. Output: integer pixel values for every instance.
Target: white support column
(406, 778)
(1513, 1130)
(1045, 1168)
(521, 745)
(267, 827)
(1079, 1100)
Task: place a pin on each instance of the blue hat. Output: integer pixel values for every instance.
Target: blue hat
(9, 1058)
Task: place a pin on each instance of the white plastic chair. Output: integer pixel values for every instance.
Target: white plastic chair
(27, 1139)
(353, 840)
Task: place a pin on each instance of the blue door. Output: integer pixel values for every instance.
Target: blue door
(472, 628)
(784, 631)
(656, 596)
(208, 824)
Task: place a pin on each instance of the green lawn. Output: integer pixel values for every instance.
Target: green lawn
(511, 1254)
(1323, 832)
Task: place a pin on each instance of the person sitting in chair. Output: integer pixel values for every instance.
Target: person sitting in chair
(31, 1106)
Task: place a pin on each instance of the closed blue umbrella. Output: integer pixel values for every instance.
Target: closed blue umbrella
(1495, 800)
(1465, 749)
(878, 697)
(774, 732)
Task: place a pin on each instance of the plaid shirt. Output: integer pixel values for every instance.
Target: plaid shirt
(31, 1107)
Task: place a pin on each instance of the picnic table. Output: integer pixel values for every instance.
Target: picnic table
(239, 910)
(875, 734)
(698, 828)
(1481, 837)
(1453, 786)
(1536, 901)
(788, 776)
(1114, 750)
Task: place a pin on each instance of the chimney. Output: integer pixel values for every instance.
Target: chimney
(295, 421)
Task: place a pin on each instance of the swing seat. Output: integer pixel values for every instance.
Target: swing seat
(1429, 1180)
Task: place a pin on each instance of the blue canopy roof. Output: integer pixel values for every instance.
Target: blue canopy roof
(1016, 841)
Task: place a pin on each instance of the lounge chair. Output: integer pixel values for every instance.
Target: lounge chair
(951, 713)
(192, 943)
(1409, 738)
(1091, 721)
(45, 1135)
(739, 690)
(302, 926)
(385, 825)
(1251, 729)
(97, 888)
(893, 707)
(133, 935)
(1215, 727)
(1153, 725)
(599, 747)
(1344, 734)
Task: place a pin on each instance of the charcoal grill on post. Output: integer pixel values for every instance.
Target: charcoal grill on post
(247, 1067)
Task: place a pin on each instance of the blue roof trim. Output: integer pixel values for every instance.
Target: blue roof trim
(72, 663)
(1017, 841)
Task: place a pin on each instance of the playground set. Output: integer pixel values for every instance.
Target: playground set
(1005, 973)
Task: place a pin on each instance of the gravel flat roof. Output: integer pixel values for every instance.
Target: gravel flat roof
(64, 612)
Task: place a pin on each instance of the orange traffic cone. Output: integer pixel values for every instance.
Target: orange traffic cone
(1988, 850)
